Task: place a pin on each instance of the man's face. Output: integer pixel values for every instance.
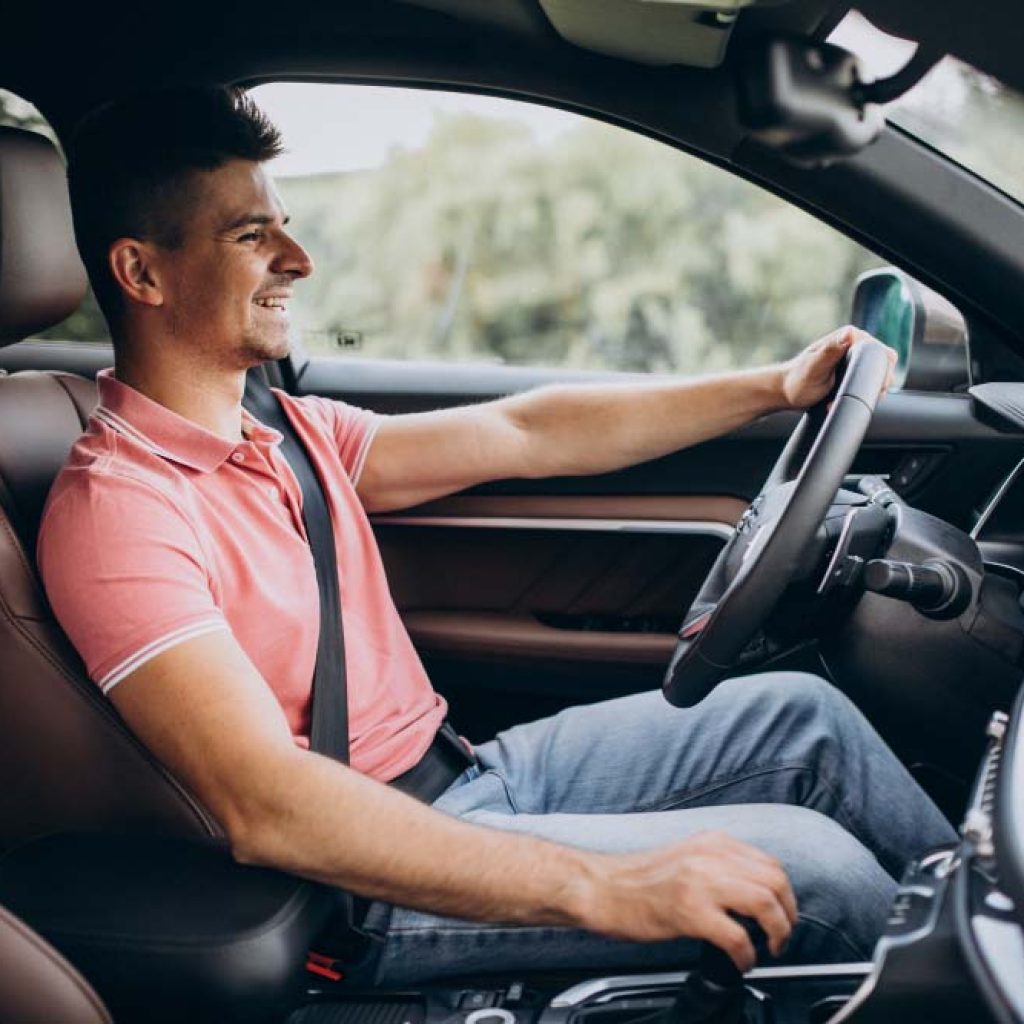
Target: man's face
(227, 288)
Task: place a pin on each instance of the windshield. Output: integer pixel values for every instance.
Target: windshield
(969, 116)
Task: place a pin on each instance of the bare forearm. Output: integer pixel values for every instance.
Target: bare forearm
(300, 812)
(596, 429)
(576, 430)
(327, 823)
(333, 825)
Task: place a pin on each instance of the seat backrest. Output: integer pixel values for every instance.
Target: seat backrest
(67, 761)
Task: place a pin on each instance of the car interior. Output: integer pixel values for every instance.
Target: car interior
(879, 546)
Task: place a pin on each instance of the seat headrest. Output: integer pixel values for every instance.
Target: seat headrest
(42, 279)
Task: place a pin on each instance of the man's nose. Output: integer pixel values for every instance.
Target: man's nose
(292, 258)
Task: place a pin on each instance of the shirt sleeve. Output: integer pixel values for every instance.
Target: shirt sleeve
(124, 573)
(353, 429)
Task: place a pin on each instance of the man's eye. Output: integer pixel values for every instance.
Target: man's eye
(251, 236)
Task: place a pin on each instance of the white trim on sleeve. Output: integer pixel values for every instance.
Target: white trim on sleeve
(364, 450)
(164, 643)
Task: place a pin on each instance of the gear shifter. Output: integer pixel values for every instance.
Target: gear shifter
(713, 992)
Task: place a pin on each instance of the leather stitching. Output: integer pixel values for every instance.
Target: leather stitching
(97, 703)
(19, 550)
(53, 957)
(61, 381)
(107, 716)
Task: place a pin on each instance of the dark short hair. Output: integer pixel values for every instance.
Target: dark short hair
(132, 164)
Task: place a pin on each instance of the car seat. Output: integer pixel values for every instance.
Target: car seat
(73, 778)
(67, 760)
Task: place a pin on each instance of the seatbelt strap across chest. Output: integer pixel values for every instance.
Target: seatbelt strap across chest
(329, 726)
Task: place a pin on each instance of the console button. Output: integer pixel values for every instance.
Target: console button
(477, 1000)
(909, 909)
(515, 993)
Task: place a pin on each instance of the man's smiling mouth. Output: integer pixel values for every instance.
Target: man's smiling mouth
(272, 303)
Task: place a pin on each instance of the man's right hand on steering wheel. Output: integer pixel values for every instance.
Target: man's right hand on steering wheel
(811, 374)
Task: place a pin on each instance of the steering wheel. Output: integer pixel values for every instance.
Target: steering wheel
(761, 558)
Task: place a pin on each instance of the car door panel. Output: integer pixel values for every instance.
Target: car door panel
(552, 578)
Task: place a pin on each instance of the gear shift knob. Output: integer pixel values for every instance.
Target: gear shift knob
(713, 992)
(716, 971)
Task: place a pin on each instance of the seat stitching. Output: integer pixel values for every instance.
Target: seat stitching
(61, 378)
(107, 715)
(97, 703)
(19, 550)
(57, 960)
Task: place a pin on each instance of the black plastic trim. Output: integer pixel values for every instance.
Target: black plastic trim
(1009, 809)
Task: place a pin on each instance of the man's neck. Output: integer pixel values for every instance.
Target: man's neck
(210, 399)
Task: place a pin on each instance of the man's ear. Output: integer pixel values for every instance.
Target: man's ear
(134, 266)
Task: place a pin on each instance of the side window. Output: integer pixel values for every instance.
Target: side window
(466, 228)
(86, 323)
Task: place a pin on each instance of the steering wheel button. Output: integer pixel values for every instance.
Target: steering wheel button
(694, 626)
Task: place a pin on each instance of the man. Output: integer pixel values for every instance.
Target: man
(173, 553)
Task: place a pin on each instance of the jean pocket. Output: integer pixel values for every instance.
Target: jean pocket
(481, 791)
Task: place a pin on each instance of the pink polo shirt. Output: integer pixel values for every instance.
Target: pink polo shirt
(157, 531)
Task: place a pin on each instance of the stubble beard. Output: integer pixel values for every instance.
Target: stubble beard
(257, 348)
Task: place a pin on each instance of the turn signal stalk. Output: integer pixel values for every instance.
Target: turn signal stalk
(934, 588)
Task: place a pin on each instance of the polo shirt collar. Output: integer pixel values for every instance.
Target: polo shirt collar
(167, 434)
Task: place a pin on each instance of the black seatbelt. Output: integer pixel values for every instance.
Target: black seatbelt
(329, 728)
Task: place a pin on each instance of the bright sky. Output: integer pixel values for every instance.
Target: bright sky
(880, 53)
(332, 127)
(940, 94)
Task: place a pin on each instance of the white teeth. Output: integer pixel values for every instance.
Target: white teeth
(270, 303)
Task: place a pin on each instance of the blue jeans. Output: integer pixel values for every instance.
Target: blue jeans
(781, 760)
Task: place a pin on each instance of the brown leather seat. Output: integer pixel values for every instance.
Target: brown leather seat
(37, 985)
(66, 759)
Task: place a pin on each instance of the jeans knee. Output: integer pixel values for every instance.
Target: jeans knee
(814, 700)
(794, 700)
(782, 687)
(805, 688)
(840, 885)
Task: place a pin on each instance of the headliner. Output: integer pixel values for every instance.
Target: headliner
(67, 58)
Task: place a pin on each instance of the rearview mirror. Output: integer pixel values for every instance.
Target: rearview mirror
(801, 98)
(927, 332)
